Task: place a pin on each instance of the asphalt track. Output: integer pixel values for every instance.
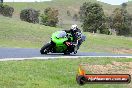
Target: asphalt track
(16, 53)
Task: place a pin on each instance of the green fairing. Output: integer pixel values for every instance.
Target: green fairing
(60, 47)
(56, 40)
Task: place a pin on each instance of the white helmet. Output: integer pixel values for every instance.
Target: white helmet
(74, 27)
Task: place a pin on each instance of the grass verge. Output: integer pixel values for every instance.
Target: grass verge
(58, 73)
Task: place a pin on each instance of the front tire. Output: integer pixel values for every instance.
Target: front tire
(45, 48)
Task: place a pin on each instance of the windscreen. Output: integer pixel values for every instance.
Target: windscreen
(61, 34)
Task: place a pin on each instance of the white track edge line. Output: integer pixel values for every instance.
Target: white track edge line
(46, 58)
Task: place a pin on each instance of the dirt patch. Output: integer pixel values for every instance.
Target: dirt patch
(122, 51)
(114, 68)
(72, 8)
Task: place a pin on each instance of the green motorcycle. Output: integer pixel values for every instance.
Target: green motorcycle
(61, 42)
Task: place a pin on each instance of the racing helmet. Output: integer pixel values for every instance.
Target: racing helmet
(74, 27)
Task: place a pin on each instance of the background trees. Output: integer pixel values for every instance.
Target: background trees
(121, 20)
(93, 18)
(6, 10)
(30, 15)
(50, 17)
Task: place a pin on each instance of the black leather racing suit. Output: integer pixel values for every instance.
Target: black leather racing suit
(75, 37)
(73, 32)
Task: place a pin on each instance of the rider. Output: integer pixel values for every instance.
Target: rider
(74, 30)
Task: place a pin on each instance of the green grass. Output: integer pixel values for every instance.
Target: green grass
(58, 73)
(20, 34)
(16, 33)
(106, 43)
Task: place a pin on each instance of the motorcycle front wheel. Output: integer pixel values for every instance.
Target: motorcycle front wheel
(45, 48)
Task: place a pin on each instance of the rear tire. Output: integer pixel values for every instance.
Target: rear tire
(45, 49)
